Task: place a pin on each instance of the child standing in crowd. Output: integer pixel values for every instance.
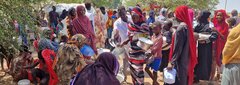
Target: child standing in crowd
(109, 25)
(156, 51)
(151, 17)
(115, 14)
(63, 40)
(59, 26)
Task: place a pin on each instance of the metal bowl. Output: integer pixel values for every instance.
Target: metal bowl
(144, 43)
(203, 36)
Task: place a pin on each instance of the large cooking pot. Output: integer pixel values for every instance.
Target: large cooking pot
(144, 43)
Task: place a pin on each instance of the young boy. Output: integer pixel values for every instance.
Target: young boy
(59, 27)
(156, 52)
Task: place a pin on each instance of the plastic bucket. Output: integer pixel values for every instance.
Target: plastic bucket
(86, 50)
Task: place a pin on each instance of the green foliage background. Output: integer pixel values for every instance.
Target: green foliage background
(96, 3)
(172, 4)
(26, 11)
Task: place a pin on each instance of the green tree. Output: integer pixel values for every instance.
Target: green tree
(96, 3)
(172, 4)
(69, 1)
(24, 11)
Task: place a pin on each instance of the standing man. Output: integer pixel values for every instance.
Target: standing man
(231, 58)
(53, 17)
(234, 14)
(120, 28)
(167, 34)
(151, 18)
(90, 13)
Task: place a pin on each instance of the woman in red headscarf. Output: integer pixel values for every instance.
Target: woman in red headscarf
(82, 25)
(222, 28)
(183, 51)
(45, 72)
(136, 54)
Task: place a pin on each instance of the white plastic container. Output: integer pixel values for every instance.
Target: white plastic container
(24, 82)
(169, 76)
(120, 77)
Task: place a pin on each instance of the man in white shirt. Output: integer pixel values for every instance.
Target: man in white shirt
(90, 13)
(120, 28)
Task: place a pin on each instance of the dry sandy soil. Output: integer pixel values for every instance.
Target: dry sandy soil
(7, 79)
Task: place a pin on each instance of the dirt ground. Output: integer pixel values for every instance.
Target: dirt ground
(7, 79)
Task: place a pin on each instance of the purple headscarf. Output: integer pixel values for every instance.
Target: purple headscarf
(102, 72)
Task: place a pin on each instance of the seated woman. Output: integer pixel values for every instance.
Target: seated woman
(24, 58)
(102, 72)
(45, 71)
(45, 60)
(70, 61)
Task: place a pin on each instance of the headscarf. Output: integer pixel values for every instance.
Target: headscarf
(47, 33)
(202, 21)
(203, 17)
(181, 13)
(98, 19)
(139, 12)
(82, 25)
(135, 26)
(70, 60)
(47, 56)
(102, 72)
(81, 39)
(151, 18)
(191, 14)
(223, 29)
(110, 13)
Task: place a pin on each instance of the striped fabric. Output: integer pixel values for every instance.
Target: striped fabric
(136, 67)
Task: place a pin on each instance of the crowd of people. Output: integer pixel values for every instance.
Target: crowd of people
(186, 40)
